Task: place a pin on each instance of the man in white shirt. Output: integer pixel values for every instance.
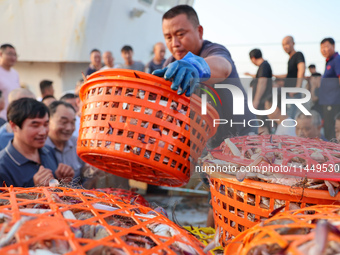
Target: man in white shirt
(9, 78)
(108, 60)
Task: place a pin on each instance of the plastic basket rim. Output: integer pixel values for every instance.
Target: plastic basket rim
(234, 246)
(279, 188)
(130, 74)
(181, 182)
(164, 85)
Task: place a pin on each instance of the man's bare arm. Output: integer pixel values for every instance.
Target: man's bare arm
(220, 69)
(300, 74)
(251, 75)
(280, 76)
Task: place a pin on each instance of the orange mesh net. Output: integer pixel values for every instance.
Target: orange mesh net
(133, 125)
(292, 232)
(74, 221)
(128, 195)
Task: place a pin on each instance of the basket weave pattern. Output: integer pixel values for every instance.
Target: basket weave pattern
(235, 214)
(292, 231)
(128, 229)
(133, 125)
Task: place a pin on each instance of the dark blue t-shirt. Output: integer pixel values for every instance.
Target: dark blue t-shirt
(226, 109)
(18, 171)
(264, 71)
(90, 71)
(151, 66)
(292, 71)
(330, 86)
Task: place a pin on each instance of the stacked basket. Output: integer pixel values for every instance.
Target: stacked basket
(133, 125)
(236, 204)
(312, 230)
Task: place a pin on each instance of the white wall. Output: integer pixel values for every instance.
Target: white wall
(53, 38)
(67, 30)
(63, 75)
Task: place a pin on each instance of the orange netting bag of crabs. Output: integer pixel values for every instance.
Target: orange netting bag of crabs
(58, 220)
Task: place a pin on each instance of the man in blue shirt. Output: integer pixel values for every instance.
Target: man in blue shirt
(211, 61)
(194, 59)
(329, 93)
(96, 62)
(6, 133)
(26, 162)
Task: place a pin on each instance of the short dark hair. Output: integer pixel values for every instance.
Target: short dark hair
(25, 108)
(269, 99)
(183, 9)
(126, 48)
(54, 105)
(328, 39)
(45, 84)
(94, 50)
(337, 116)
(68, 96)
(315, 117)
(47, 97)
(255, 53)
(3, 47)
(312, 66)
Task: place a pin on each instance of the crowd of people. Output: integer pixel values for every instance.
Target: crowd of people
(106, 60)
(38, 135)
(324, 89)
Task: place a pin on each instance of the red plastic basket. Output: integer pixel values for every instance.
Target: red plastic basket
(133, 125)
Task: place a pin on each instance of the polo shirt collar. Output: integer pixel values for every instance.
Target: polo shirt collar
(333, 56)
(49, 142)
(17, 157)
(69, 143)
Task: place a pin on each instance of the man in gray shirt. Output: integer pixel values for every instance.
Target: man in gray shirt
(62, 125)
(129, 63)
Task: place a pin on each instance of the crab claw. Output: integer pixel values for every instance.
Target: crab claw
(215, 242)
(257, 161)
(241, 175)
(321, 236)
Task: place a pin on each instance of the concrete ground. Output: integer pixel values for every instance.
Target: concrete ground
(188, 210)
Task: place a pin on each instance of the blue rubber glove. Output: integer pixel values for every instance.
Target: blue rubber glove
(185, 73)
